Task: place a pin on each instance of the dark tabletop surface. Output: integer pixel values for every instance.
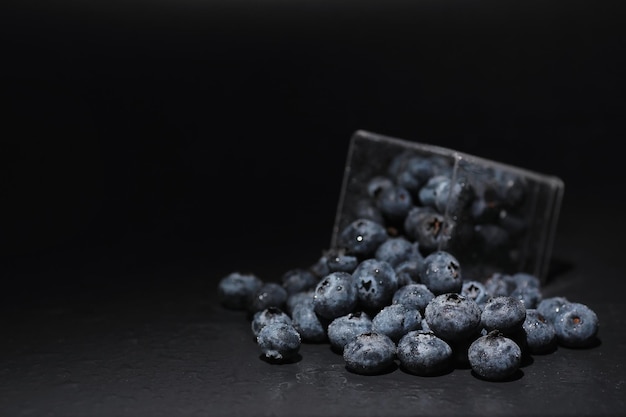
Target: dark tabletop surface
(151, 150)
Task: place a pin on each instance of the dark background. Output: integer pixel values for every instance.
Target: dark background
(138, 133)
(148, 148)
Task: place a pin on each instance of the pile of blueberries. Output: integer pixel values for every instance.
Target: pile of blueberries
(391, 295)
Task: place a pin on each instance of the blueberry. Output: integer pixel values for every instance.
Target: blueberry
(503, 313)
(311, 328)
(396, 320)
(453, 198)
(511, 188)
(550, 307)
(422, 353)
(408, 272)
(270, 294)
(343, 329)
(279, 342)
(529, 295)
(494, 356)
(369, 354)
(491, 237)
(540, 333)
(415, 296)
(475, 290)
(442, 273)
(377, 184)
(576, 325)
(235, 290)
(452, 316)
(484, 210)
(335, 295)
(299, 279)
(262, 318)
(428, 193)
(524, 279)
(394, 203)
(428, 227)
(376, 283)
(366, 208)
(361, 237)
(302, 297)
(500, 284)
(339, 261)
(398, 249)
(319, 268)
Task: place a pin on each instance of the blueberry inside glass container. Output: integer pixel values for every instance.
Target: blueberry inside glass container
(492, 216)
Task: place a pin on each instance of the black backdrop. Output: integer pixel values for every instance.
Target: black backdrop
(143, 134)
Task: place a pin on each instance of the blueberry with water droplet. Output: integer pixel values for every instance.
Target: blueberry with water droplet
(335, 295)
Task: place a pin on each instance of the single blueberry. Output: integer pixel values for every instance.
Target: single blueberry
(452, 316)
(540, 333)
(442, 273)
(361, 237)
(498, 284)
(366, 208)
(408, 272)
(529, 295)
(270, 294)
(370, 354)
(524, 279)
(422, 353)
(494, 356)
(340, 261)
(476, 291)
(510, 187)
(413, 296)
(398, 249)
(376, 283)
(550, 307)
(504, 313)
(394, 203)
(429, 228)
(319, 268)
(345, 328)
(236, 289)
(308, 324)
(279, 342)
(377, 184)
(335, 295)
(484, 210)
(453, 198)
(396, 320)
(428, 193)
(576, 325)
(299, 279)
(302, 297)
(262, 318)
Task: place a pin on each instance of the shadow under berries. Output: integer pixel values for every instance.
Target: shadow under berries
(388, 370)
(285, 361)
(517, 375)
